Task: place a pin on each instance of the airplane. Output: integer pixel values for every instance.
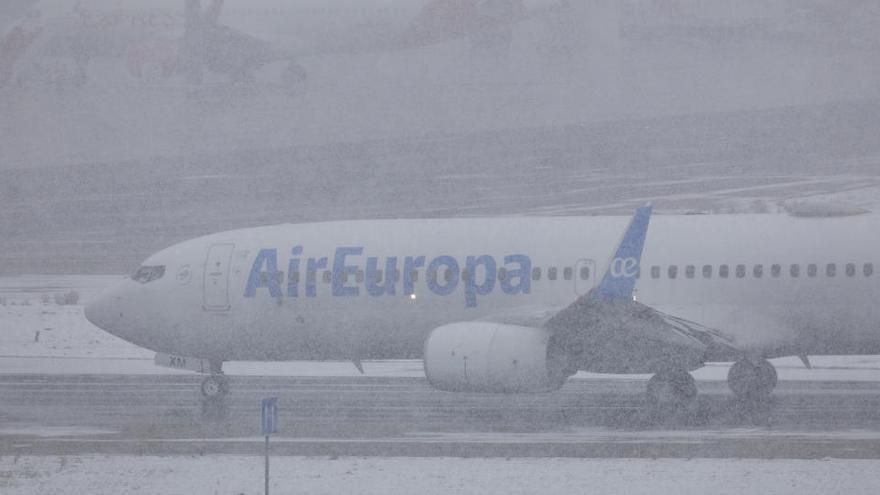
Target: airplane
(515, 305)
(55, 41)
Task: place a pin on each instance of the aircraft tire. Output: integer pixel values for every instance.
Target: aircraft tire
(750, 380)
(672, 388)
(215, 387)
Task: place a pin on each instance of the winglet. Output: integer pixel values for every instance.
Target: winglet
(620, 278)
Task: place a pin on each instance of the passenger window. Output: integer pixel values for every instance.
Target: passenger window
(359, 276)
(740, 271)
(850, 270)
(795, 271)
(536, 273)
(567, 273)
(293, 277)
(812, 270)
(378, 276)
(502, 274)
(869, 269)
(414, 275)
(831, 270)
(758, 271)
(465, 275)
(655, 272)
(690, 271)
(723, 271)
(448, 275)
(395, 275)
(551, 273)
(585, 273)
(327, 276)
(672, 271)
(707, 271)
(432, 276)
(776, 271)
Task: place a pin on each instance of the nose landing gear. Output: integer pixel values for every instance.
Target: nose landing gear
(214, 388)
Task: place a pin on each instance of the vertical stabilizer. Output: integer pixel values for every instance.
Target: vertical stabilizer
(623, 270)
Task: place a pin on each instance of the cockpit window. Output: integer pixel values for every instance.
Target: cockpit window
(146, 274)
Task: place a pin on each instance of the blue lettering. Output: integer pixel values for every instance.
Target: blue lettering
(471, 288)
(293, 272)
(523, 274)
(387, 287)
(409, 266)
(267, 278)
(443, 275)
(435, 275)
(340, 268)
(312, 275)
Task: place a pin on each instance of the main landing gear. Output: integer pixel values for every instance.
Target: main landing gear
(672, 388)
(752, 380)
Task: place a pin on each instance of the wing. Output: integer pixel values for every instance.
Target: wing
(607, 331)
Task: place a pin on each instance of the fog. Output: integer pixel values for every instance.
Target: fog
(127, 126)
(101, 172)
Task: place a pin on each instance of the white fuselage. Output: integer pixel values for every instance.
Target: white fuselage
(231, 295)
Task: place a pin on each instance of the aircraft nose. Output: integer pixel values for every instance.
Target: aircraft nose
(99, 311)
(116, 311)
(106, 311)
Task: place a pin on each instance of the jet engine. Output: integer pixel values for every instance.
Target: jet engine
(492, 357)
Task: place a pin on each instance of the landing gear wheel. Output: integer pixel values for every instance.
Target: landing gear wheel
(672, 388)
(215, 387)
(752, 380)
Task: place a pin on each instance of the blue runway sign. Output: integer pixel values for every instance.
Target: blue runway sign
(269, 418)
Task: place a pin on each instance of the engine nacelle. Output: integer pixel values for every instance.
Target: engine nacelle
(491, 357)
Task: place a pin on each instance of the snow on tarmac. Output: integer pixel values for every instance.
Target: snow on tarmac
(244, 475)
(33, 324)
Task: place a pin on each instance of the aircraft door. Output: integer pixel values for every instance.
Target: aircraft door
(217, 277)
(584, 276)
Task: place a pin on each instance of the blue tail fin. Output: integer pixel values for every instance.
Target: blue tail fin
(620, 278)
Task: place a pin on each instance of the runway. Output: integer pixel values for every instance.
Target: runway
(116, 414)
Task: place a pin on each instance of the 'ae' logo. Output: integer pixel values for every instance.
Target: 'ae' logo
(624, 267)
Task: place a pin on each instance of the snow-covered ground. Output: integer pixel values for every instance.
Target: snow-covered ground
(38, 335)
(28, 308)
(244, 475)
